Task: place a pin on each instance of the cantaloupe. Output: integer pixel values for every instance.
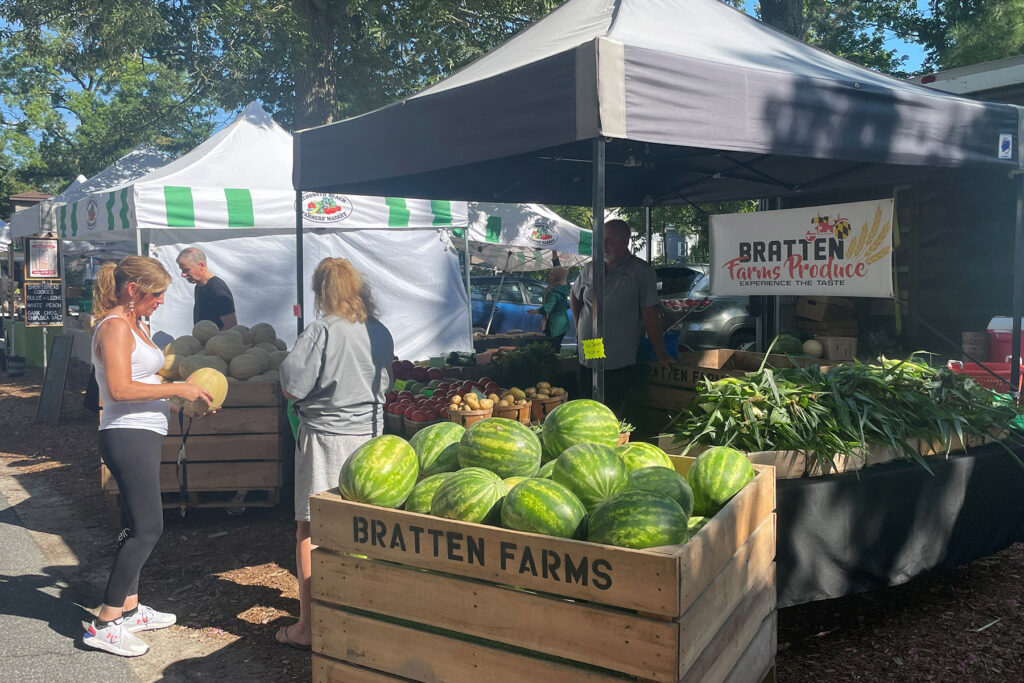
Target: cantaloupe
(214, 382)
(276, 358)
(244, 331)
(225, 345)
(263, 356)
(185, 345)
(266, 346)
(813, 348)
(204, 330)
(244, 366)
(272, 375)
(170, 368)
(263, 332)
(281, 346)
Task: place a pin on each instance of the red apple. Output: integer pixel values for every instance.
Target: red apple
(433, 373)
(443, 386)
(485, 379)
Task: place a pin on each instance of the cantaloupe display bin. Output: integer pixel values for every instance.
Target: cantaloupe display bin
(406, 596)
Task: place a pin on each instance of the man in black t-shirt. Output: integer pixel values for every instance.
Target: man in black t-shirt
(213, 298)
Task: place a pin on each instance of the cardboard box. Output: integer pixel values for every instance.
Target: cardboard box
(835, 328)
(838, 348)
(824, 308)
(692, 368)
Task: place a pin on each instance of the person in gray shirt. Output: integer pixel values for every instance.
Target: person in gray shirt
(337, 374)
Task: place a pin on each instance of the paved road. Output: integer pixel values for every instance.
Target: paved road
(40, 627)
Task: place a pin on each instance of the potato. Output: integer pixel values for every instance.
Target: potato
(494, 397)
(543, 385)
(486, 403)
(456, 400)
(504, 402)
(518, 393)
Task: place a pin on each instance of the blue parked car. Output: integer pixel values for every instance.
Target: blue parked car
(517, 296)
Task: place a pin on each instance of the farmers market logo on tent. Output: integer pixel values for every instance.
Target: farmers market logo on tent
(91, 213)
(831, 249)
(542, 233)
(326, 208)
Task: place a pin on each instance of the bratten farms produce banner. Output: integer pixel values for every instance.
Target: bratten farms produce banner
(834, 250)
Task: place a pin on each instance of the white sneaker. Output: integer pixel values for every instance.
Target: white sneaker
(115, 638)
(148, 619)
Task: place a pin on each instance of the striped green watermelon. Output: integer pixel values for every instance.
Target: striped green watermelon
(383, 471)
(591, 471)
(437, 447)
(512, 481)
(423, 493)
(579, 421)
(640, 454)
(545, 470)
(664, 481)
(472, 494)
(638, 519)
(695, 524)
(716, 476)
(506, 447)
(542, 506)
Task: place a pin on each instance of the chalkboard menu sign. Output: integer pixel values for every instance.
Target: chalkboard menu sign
(51, 398)
(44, 304)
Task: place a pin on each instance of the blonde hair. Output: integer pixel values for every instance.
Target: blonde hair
(146, 272)
(338, 289)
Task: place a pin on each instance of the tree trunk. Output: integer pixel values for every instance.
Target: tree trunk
(313, 66)
(785, 15)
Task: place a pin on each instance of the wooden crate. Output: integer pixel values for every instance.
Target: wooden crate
(404, 596)
(235, 458)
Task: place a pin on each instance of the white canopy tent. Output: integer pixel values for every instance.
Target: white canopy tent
(524, 237)
(232, 197)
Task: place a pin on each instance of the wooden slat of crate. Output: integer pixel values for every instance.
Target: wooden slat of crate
(728, 645)
(671, 399)
(706, 554)
(425, 656)
(757, 663)
(212, 476)
(326, 670)
(252, 394)
(572, 630)
(217, 448)
(230, 421)
(620, 577)
(739, 577)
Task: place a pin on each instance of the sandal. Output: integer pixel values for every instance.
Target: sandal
(283, 638)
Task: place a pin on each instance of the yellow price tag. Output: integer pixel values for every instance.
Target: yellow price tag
(593, 349)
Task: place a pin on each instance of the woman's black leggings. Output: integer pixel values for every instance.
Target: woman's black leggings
(133, 457)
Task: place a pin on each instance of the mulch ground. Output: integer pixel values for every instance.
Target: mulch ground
(232, 582)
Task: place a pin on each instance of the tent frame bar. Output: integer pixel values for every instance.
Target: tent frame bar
(597, 261)
(1018, 283)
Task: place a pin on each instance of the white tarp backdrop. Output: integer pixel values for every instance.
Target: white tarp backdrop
(832, 250)
(526, 237)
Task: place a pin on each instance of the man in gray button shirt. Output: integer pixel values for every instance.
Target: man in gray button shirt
(631, 306)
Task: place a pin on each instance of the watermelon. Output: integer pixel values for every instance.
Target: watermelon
(383, 471)
(423, 493)
(437, 447)
(506, 447)
(591, 471)
(512, 481)
(716, 476)
(664, 481)
(638, 519)
(579, 421)
(787, 344)
(542, 506)
(639, 454)
(545, 470)
(472, 494)
(695, 524)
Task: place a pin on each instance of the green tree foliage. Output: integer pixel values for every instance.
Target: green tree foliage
(995, 31)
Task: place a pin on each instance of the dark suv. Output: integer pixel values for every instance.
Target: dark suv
(703, 321)
(516, 296)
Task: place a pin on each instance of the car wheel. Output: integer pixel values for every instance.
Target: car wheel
(743, 341)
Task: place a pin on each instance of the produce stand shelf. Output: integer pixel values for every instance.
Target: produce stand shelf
(404, 596)
(235, 458)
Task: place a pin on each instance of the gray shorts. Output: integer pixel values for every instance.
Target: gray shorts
(318, 460)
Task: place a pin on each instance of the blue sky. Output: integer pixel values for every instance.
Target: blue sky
(914, 53)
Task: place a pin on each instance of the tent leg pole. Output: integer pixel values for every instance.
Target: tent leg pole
(300, 323)
(1018, 283)
(138, 242)
(497, 294)
(469, 289)
(647, 231)
(597, 303)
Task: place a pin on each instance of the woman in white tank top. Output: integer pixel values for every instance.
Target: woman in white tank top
(132, 427)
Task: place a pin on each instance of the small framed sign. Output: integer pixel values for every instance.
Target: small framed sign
(42, 258)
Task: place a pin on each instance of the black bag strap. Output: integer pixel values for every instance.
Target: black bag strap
(181, 467)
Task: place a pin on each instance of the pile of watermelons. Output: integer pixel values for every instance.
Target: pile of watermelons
(571, 480)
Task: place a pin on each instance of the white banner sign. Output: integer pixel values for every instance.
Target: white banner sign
(833, 250)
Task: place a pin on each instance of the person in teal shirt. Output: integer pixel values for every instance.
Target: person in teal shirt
(555, 306)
